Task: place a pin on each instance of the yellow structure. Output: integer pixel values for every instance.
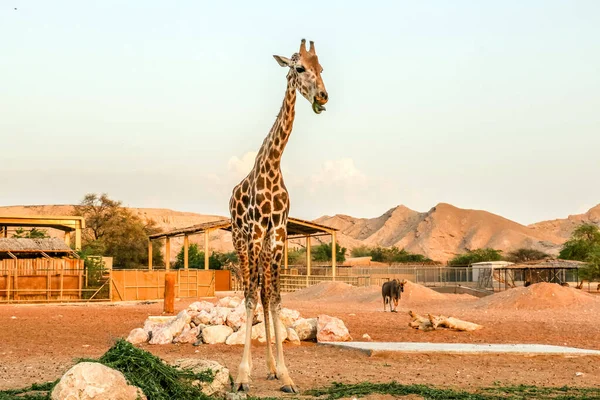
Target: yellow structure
(67, 224)
(296, 228)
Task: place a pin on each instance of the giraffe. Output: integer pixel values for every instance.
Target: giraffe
(259, 209)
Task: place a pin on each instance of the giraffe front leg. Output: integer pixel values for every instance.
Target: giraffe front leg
(242, 382)
(271, 370)
(282, 372)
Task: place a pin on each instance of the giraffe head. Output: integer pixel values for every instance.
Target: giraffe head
(305, 72)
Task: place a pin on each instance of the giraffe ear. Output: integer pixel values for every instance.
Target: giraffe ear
(283, 61)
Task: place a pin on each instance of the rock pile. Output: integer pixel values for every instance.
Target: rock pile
(225, 322)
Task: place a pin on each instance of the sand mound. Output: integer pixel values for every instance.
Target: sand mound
(537, 297)
(332, 292)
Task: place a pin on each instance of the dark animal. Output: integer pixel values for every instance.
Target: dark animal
(391, 292)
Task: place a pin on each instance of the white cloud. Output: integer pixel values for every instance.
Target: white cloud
(341, 173)
(240, 167)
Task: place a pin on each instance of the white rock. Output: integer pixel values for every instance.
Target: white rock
(137, 336)
(306, 328)
(166, 334)
(288, 317)
(229, 302)
(203, 318)
(90, 380)
(258, 332)
(220, 384)
(219, 315)
(292, 336)
(331, 329)
(201, 305)
(237, 318)
(259, 314)
(367, 337)
(237, 338)
(216, 334)
(156, 323)
(189, 335)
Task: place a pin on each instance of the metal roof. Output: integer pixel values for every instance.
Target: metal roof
(18, 245)
(295, 227)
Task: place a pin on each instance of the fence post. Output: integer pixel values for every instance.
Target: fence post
(169, 304)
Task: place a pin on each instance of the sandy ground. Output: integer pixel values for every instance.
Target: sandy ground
(38, 343)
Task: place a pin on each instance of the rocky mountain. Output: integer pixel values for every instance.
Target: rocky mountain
(440, 233)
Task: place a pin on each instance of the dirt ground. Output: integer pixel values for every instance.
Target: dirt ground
(38, 343)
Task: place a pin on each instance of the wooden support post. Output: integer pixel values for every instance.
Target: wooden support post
(60, 276)
(167, 253)
(285, 256)
(308, 259)
(186, 248)
(149, 255)
(48, 284)
(206, 255)
(169, 304)
(5, 231)
(8, 279)
(333, 255)
(110, 285)
(78, 239)
(68, 238)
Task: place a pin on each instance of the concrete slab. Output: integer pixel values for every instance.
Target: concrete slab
(373, 348)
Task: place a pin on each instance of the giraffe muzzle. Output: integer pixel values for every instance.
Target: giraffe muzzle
(317, 108)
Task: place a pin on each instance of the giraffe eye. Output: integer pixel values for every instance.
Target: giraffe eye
(300, 70)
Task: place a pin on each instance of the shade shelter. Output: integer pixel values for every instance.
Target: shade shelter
(547, 270)
(296, 228)
(68, 224)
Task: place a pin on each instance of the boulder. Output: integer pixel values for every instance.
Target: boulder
(306, 328)
(203, 318)
(331, 329)
(216, 334)
(189, 335)
(237, 317)
(258, 332)
(138, 336)
(292, 336)
(94, 381)
(259, 314)
(237, 338)
(229, 302)
(288, 317)
(219, 315)
(200, 306)
(166, 334)
(155, 323)
(220, 385)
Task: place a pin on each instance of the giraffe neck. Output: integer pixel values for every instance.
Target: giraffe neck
(272, 148)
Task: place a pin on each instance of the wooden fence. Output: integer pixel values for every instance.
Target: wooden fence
(143, 284)
(41, 279)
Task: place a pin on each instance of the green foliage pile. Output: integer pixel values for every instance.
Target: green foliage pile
(157, 380)
(475, 256)
(216, 260)
(389, 255)
(584, 245)
(114, 231)
(340, 390)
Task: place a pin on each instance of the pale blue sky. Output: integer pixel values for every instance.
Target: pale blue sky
(481, 104)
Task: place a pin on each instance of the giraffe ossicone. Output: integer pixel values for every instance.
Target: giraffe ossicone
(259, 208)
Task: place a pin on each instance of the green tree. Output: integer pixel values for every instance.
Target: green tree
(323, 252)
(34, 233)
(584, 245)
(361, 251)
(216, 260)
(475, 256)
(114, 231)
(395, 255)
(525, 254)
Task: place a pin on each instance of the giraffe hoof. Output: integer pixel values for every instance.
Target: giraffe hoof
(272, 376)
(242, 387)
(289, 389)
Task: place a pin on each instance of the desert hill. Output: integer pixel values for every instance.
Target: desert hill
(439, 233)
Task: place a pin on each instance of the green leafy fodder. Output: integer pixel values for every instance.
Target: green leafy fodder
(157, 380)
(340, 390)
(33, 392)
